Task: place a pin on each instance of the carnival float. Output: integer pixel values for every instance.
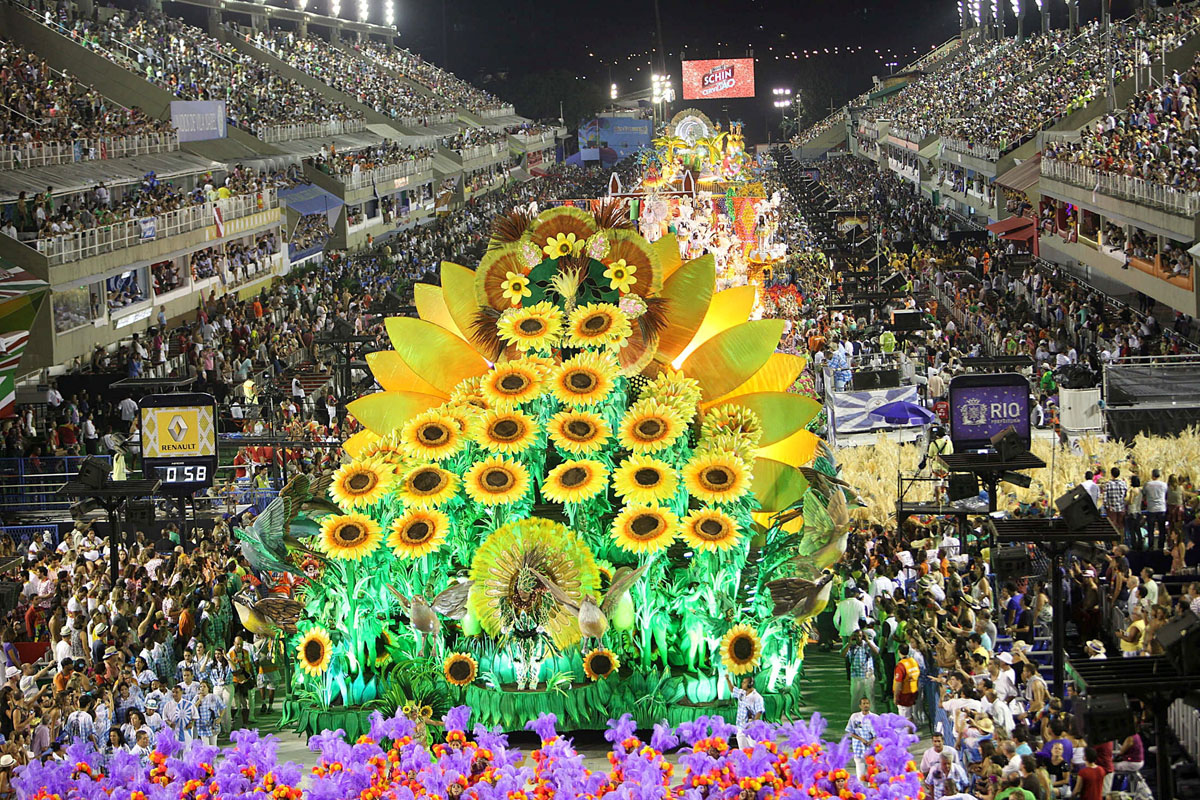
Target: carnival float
(583, 489)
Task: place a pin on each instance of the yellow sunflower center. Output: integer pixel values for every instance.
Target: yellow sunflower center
(362, 481)
(647, 477)
(716, 478)
(597, 324)
(712, 529)
(507, 430)
(349, 534)
(601, 664)
(650, 428)
(460, 669)
(532, 326)
(433, 433)
(314, 651)
(581, 381)
(427, 481)
(513, 383)
(498, 479)
(575, 476)
(741, 648)
(579, 430)
(417, 532)
(646, 526)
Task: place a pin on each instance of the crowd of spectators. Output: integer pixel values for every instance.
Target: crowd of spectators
(361, 79)
(998, 95)
(41, 106)
(472, 137)
(311, 233)
(446, 85)
(350, 162)
(190, 64)
(1155, 138)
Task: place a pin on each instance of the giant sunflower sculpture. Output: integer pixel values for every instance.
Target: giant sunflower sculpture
(581, 404)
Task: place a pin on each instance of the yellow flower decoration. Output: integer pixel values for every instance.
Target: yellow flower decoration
(578, 432)
(585, 379)
(537, 327)
(562, 244)
(418, 532)
(512, 383)
(740, 649)
(360, 483)
(515, 287)
(643, 480)
(644, 529)
(428, 486)
(350, 536)
(598, 325)
(460, 669)
(716, 477)
(575, 481)
(314, 651)
(709, 530)
(496, 481)
(650, 426)
(506, 431)
(621, 276)
(600, 663)
(432, 435)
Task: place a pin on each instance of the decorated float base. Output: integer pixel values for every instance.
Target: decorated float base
(587, 706)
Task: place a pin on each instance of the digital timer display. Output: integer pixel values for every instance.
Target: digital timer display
(179, 440)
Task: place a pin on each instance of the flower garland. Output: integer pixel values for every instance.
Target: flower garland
(786, 762)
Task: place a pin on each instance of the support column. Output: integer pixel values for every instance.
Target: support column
(1073, 16)
(213, 18)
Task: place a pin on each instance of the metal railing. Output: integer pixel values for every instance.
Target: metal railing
(492, 113)
(28, 485)
(43, 154)
(1124, 187)
(387, 172)
(985, 151)
(78, 245)
(309, 130)
(533, 138)
(901, 132)
(478, 151)
(426, 120)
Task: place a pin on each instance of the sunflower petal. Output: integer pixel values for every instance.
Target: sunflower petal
(637, 252)
(458, 292)
(395, 376)
(356, 444)
(431, 307)
(383, 412)
(668, 253)
(728, 308)
(728, 359)
(564, 220)
(779, 373)
(688, 293)
(780, 413)
(777, 485)
(438, 356)
(799, 448)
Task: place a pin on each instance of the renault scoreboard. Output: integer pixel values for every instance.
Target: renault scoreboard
(179, 441)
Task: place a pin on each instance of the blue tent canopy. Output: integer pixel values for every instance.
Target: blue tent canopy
(311, 199)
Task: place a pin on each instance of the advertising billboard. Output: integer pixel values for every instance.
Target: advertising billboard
(717, 78)
(623, 135)
(983, 405)
(198, 120)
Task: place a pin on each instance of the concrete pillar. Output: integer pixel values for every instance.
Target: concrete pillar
(85, 8)
(302, 28)
(214, 22)
(335, 34)
(1073, 16)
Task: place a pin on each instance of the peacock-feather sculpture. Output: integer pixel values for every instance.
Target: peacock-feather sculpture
(594, 449)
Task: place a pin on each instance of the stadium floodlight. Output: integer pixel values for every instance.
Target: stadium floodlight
(1038, 3)
(335, 8)
(1016, 7)
(364, 10)
(612, 92)
(389, 12)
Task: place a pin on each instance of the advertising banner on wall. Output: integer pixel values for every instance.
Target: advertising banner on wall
(716, 78)
(198, 120)
(982, 406)
(623, 135)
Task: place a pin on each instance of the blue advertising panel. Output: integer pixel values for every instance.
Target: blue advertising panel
(621, 134)
(198, 120)
(982, 406)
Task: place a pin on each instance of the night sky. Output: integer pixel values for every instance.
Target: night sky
(614, 41)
